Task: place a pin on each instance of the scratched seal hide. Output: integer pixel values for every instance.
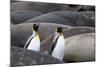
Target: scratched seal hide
(87, 8)
(80, 48)
(88, 13)
(23, 15)
(21, 32)
(73, 7)
(21, 57)
(71, 18)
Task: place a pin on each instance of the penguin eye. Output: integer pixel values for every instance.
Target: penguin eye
(35, 25)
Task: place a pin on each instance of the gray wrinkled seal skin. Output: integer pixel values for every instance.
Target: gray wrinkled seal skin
(46, 31)
(28, 58)
(80, 48)
(21, 16)
(71, 18)
(40, 6)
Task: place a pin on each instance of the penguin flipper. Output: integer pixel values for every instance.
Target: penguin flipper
(53, 46)
(28, 41)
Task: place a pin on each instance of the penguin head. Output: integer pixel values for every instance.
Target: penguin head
(59, 29)
(35, 27)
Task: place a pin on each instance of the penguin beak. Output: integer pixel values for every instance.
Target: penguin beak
(64, 30)
(38, 24)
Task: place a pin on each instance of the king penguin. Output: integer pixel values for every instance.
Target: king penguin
(57, 48)
(33, 43)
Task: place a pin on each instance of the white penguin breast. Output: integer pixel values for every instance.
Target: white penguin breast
(58, 51)
(35, 43)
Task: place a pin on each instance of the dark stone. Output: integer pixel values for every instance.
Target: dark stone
(24, 57)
